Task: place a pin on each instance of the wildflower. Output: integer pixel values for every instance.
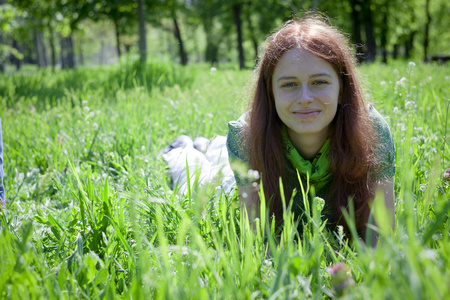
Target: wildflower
(213, 69)
(411, 64)
(447, 175)
(341, 279)
(402, 81)
(253, 175)
(422, 187)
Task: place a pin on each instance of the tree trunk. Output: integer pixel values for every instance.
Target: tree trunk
(14, 60)
(356, 32)
(52, 46)
(80, 53)
(70, 52)
(370, 36)
(127, 48)
(39, 46)
(67, 53)
(177, 33)
(409, 44)
(212, 49)
(427, 31)
(395, 52)
(237, 20)
(384, 31)
(62, 46)
(116, 31)
(102, 53)
(142, 31)
(251, 29)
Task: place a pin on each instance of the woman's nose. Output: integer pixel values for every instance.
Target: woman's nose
(305, 96)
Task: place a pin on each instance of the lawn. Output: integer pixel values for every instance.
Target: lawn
(90, 214)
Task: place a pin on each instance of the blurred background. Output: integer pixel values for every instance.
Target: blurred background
(72, 33)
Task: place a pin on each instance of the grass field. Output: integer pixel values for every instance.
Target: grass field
(90, 215)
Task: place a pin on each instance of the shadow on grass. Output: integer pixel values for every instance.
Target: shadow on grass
(43, 89)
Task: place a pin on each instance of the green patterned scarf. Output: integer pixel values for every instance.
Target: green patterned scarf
(319, 169)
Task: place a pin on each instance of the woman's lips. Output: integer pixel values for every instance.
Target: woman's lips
(307, 114)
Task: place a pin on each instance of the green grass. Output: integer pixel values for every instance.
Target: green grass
(89, 213)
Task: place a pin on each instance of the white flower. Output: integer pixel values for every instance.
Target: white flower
(422, 187)
(402, 81)
(253, 175)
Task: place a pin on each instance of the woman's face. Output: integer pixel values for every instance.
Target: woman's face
(306, 91)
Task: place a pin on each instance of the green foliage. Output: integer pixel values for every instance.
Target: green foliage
(89, 214)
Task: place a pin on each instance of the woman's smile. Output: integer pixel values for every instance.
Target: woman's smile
(307, 115)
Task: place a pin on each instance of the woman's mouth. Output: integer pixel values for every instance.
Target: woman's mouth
(307, 114)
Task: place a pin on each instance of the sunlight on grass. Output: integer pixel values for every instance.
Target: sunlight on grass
(89, 212)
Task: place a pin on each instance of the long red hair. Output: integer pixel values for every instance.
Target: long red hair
(352, 139)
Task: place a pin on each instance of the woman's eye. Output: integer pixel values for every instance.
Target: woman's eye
(319, 82)
(288, 85)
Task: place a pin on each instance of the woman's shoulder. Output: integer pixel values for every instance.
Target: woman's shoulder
(376, 118)
(240, 124)
(380, 126)
(385, 147)
(235, 138)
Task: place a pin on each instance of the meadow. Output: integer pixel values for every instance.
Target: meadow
(89, 212)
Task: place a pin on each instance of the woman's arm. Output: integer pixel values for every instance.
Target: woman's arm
(249, 198)
(387, 188)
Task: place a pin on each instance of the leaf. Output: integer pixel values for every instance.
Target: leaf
(102, 276)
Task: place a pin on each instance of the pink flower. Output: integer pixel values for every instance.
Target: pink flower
(341, 278)
(447, 175)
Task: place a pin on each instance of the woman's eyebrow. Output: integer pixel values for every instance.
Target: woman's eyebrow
(286, 78)
(320, 75)
(312, 76)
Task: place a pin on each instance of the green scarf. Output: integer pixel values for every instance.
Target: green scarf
(319, 169)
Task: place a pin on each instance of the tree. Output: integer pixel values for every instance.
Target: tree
(205, 12)
(369, 31)
(121, 13)
(426, 39)
(142, 32)
(171, 8)
(237, 8)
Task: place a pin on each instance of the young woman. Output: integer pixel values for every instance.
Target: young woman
(308, 114)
